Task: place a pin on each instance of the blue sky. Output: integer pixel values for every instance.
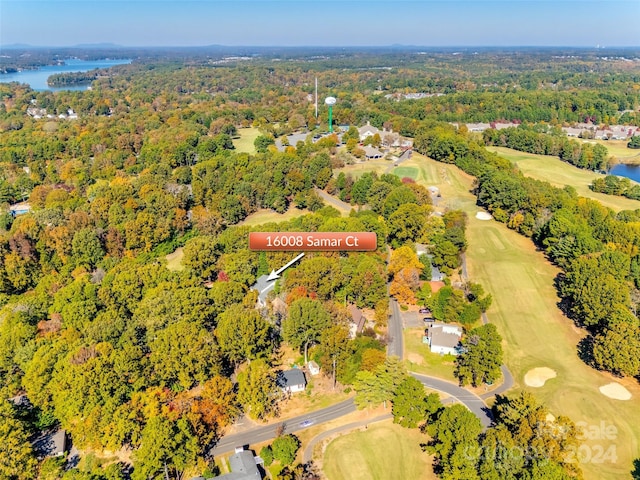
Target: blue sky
(309, 22)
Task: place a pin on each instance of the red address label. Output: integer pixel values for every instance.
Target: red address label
(313, 241)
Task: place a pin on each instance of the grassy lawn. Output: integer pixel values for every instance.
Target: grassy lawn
(619, 149)
(174, 260)
(410, 172)
(536, 334)
(244, 144)
(266, 215)
(420, 359)
(559, 173)
(379, 166)
(383, 451)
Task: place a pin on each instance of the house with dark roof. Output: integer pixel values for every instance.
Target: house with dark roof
(291, 381)
(51, 444)
(244, 466)
(443, 338)
(358, 320)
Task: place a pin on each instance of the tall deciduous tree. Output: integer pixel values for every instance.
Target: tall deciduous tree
(17, 461)
(306, 321)
(617, 348)
(455, 441)
(167, 447)
(243, 334)
(379, 386)
(482, 356)
(257, 389)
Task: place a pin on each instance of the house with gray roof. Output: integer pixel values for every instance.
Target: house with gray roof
(291, 381)
(372, 152)
(244, 466)
(444, 338)
(367, 131)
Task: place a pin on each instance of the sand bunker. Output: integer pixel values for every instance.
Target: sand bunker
(616, 391)
(536, 377)
(483, 216)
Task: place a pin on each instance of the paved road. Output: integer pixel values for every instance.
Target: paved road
(336, 202)
(307, 456)
(394, 345)
(472, 401)
(292, 425)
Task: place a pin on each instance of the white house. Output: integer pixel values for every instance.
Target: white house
(444, 338)
(291, 381)
(367, 131)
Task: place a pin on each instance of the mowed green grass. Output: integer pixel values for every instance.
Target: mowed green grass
(619, 150)
(356, 170)
(559, 173)
(420, 359)
(244, 144)
(384, 451)
(410, 172)
(536, 333)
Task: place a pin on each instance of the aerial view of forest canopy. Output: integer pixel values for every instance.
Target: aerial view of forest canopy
(141, 337)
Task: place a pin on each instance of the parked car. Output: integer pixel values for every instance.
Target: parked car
(424, 310)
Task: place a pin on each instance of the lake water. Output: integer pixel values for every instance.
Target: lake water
(629, 171)
(37, 79)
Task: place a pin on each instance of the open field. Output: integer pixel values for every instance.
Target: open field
(536, 333)
(559, 173)
(383, 451)
(244, 144)
(619, 150)
(379, 166)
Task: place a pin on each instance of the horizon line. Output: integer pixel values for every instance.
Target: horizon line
(17, 45)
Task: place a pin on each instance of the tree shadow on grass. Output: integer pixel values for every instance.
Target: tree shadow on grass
(585, 350)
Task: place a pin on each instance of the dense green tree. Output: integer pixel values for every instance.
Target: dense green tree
(617, 348)
(86, 248)
(201, 256)
(183, 354)
(167, 447)
(304, 324)
(454, 435)
(411, 405)
(17, 460)
(379, 386)
(285, 449)
(243, 334)
(481, 358)
(257, 389)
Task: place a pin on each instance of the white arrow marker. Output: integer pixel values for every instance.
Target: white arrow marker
(276, 274)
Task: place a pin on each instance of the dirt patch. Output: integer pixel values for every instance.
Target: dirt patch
(616, 391)
(483, 216)
(415, 358)
(537, 377)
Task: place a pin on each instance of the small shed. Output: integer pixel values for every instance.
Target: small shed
(314, 368)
